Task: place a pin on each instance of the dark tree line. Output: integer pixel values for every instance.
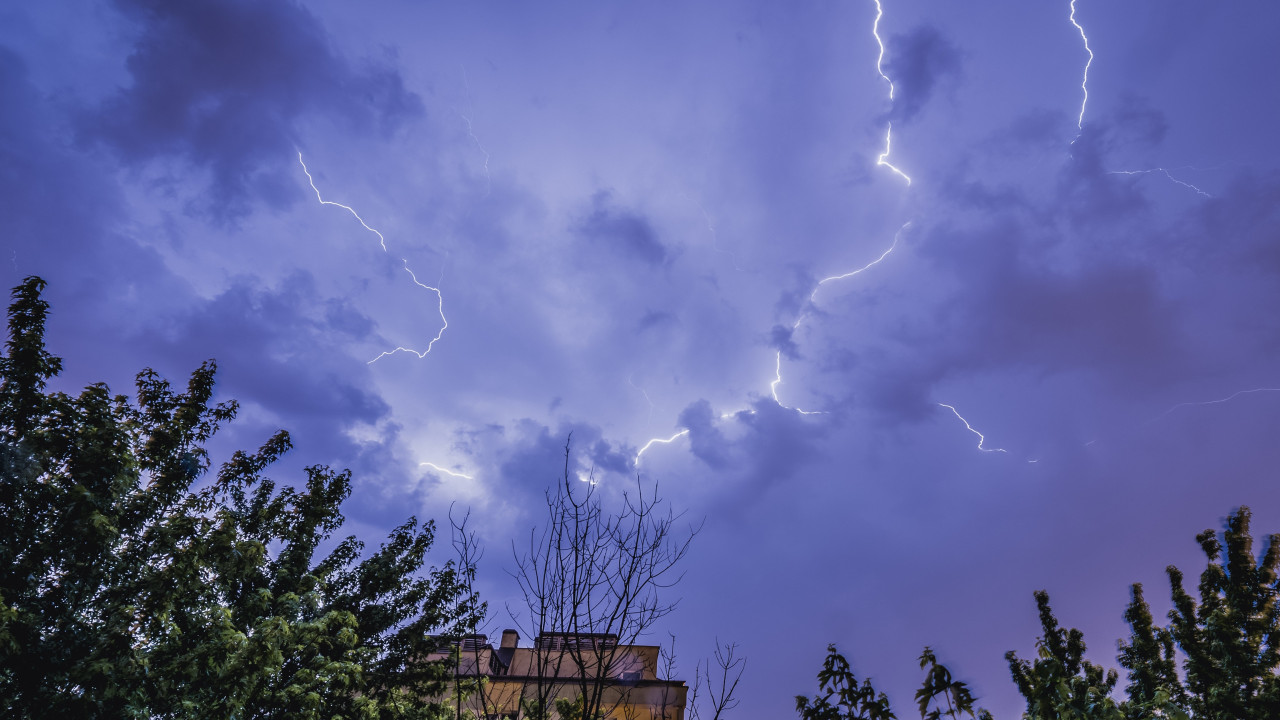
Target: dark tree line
(1218, 657)
(136, 584)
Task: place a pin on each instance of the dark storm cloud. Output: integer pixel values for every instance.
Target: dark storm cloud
(781, 338)
(918, 63)
(222, 84)
(620, 231)
(769, 446)
(1244, 222)
(706, 441)
(1070, 281)
(277, 353)
(656, 319)
(534, 453)
(56, 204)
(274, 344)
(1135, 123)
(1110, 319)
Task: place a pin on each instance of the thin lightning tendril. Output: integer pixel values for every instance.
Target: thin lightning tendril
(660, 441)
(642, 392)
(488, 183)
(1084, 87)
(1219, 401)
(1084, 84)
(383, 242)
(893, 246)
(1166, 173)
(981, 438)
(777, 375)
(777, 380)
(883, 160)
(446, 471)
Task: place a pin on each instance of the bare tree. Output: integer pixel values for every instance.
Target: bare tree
(592, 582)
(721, 682)
(469, 658)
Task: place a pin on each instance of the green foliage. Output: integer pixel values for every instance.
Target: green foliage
(575, 709)
(1149, 656)
(1061, 684)
(941, 690)
(843, 697)
(127, 589)
(1230, 637)
(1228, 641)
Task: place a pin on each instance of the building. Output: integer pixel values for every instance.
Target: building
(621, 680)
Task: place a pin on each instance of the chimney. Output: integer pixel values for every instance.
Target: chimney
(510, 639)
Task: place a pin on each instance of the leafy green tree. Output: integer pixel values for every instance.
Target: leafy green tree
(1228, 642)
(132, 587)
(843, 698)
(941, 690)
(1061, 684)
(1149, 655)
(1230, 638)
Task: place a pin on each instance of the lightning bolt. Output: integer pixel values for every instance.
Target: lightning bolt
(383, 242)
(1084, 88)
(893, 246)
(883, 160)
(1219, 401)
(1166, 173)
(642, 392)
(715, 240)
(777, 374)
(1084, 84)
(466, 84)
(777, 380)
(488, 185)
(981, 438)
(446, 471)
(659, 441)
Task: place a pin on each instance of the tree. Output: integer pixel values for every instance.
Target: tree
(1149, 656)
(129, 587)
(595, 578)
(1231, 638)
(843, 697)
(1061, 684)
(720, 684)
(948, 695)
(1228, 642)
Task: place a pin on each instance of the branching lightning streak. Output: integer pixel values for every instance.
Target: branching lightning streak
(446, 471)
(642, 392)
(777, 380)
(383, 242)
(882, 160)
(1084, 84)
(893, 246)
(981, 438)
(488, 183)
(1219, 401)
(660, 441)
(715, 240)
(1084, 87)
(777, 375)
(439, 307)
(1166, 174)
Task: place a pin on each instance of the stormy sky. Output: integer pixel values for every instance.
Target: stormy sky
(917, 327)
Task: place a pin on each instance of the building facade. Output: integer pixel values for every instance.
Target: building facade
(564, 673)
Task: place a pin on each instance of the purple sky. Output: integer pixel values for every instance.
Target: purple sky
(629, 210)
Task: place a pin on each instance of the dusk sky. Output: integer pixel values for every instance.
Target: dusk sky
(1029, 343)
